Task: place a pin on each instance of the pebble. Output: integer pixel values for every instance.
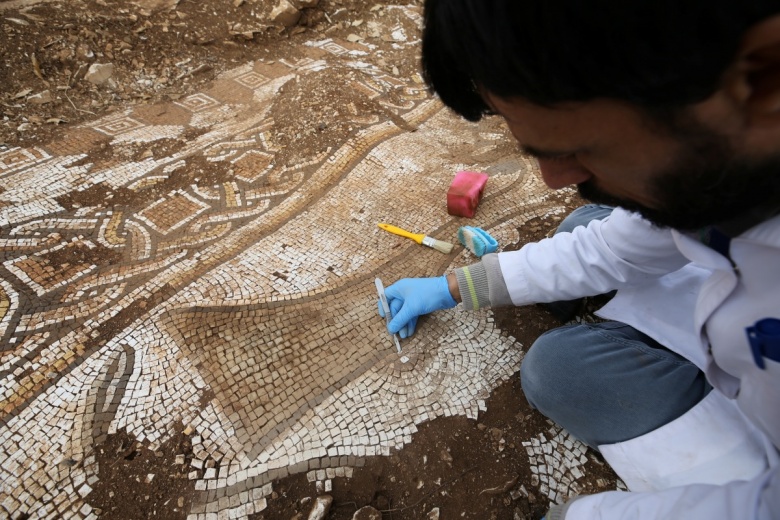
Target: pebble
(285, 14)
(445, 456)
(367, 513)
(321, 507)
(41, 98)
(99, 73)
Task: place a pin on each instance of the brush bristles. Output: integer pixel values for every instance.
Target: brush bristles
(466, 237)
(438, 245)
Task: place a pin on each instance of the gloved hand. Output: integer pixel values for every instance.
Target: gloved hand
(410, 298)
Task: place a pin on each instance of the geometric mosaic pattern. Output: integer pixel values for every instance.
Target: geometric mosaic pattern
(215, 287)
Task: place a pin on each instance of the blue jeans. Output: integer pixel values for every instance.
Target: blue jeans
(607, 382)
(566, 310)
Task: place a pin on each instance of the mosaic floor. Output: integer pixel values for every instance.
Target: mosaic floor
(178, 265)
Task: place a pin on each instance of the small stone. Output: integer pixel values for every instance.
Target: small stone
(99, 73)
(41, 98)
(367, 513)
(285, 14)
(180, 502)
(433, 514)
(445, 456)
(321, 507)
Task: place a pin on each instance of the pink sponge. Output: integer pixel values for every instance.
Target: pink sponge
(464, 193)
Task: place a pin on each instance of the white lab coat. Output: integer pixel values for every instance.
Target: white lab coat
(720, 459)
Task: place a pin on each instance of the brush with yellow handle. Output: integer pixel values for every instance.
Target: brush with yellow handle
(438, 245)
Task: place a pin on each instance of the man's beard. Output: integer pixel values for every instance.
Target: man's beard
(706, 186)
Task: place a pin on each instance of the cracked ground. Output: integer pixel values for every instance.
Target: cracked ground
(189, 194)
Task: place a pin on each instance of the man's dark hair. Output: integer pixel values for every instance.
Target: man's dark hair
(657, 54)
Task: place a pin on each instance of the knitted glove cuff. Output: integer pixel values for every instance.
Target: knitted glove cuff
(473, 285)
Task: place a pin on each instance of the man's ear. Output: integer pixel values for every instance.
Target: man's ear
(754, 81)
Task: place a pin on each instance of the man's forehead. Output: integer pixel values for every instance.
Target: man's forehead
(543, 132)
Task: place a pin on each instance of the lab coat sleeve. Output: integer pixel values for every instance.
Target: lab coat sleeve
(619, 251)
(757, 499)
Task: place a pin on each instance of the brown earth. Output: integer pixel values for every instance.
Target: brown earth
(163, 50)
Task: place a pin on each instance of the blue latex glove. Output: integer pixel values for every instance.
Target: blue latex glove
(412, 297)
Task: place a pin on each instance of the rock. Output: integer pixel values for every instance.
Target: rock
(41, 98)
(433, 514)
(445, 456)
(285, 14)
(83, 52)
(156, 5)
(305, 4)
(321, 507)
(373, 30)
(367, 513)
(99, 73)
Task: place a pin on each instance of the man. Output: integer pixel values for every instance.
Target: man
(670, 111)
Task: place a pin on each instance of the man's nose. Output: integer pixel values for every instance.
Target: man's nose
(561, 173)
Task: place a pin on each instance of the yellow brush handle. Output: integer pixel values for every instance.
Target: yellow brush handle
(402, 232)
